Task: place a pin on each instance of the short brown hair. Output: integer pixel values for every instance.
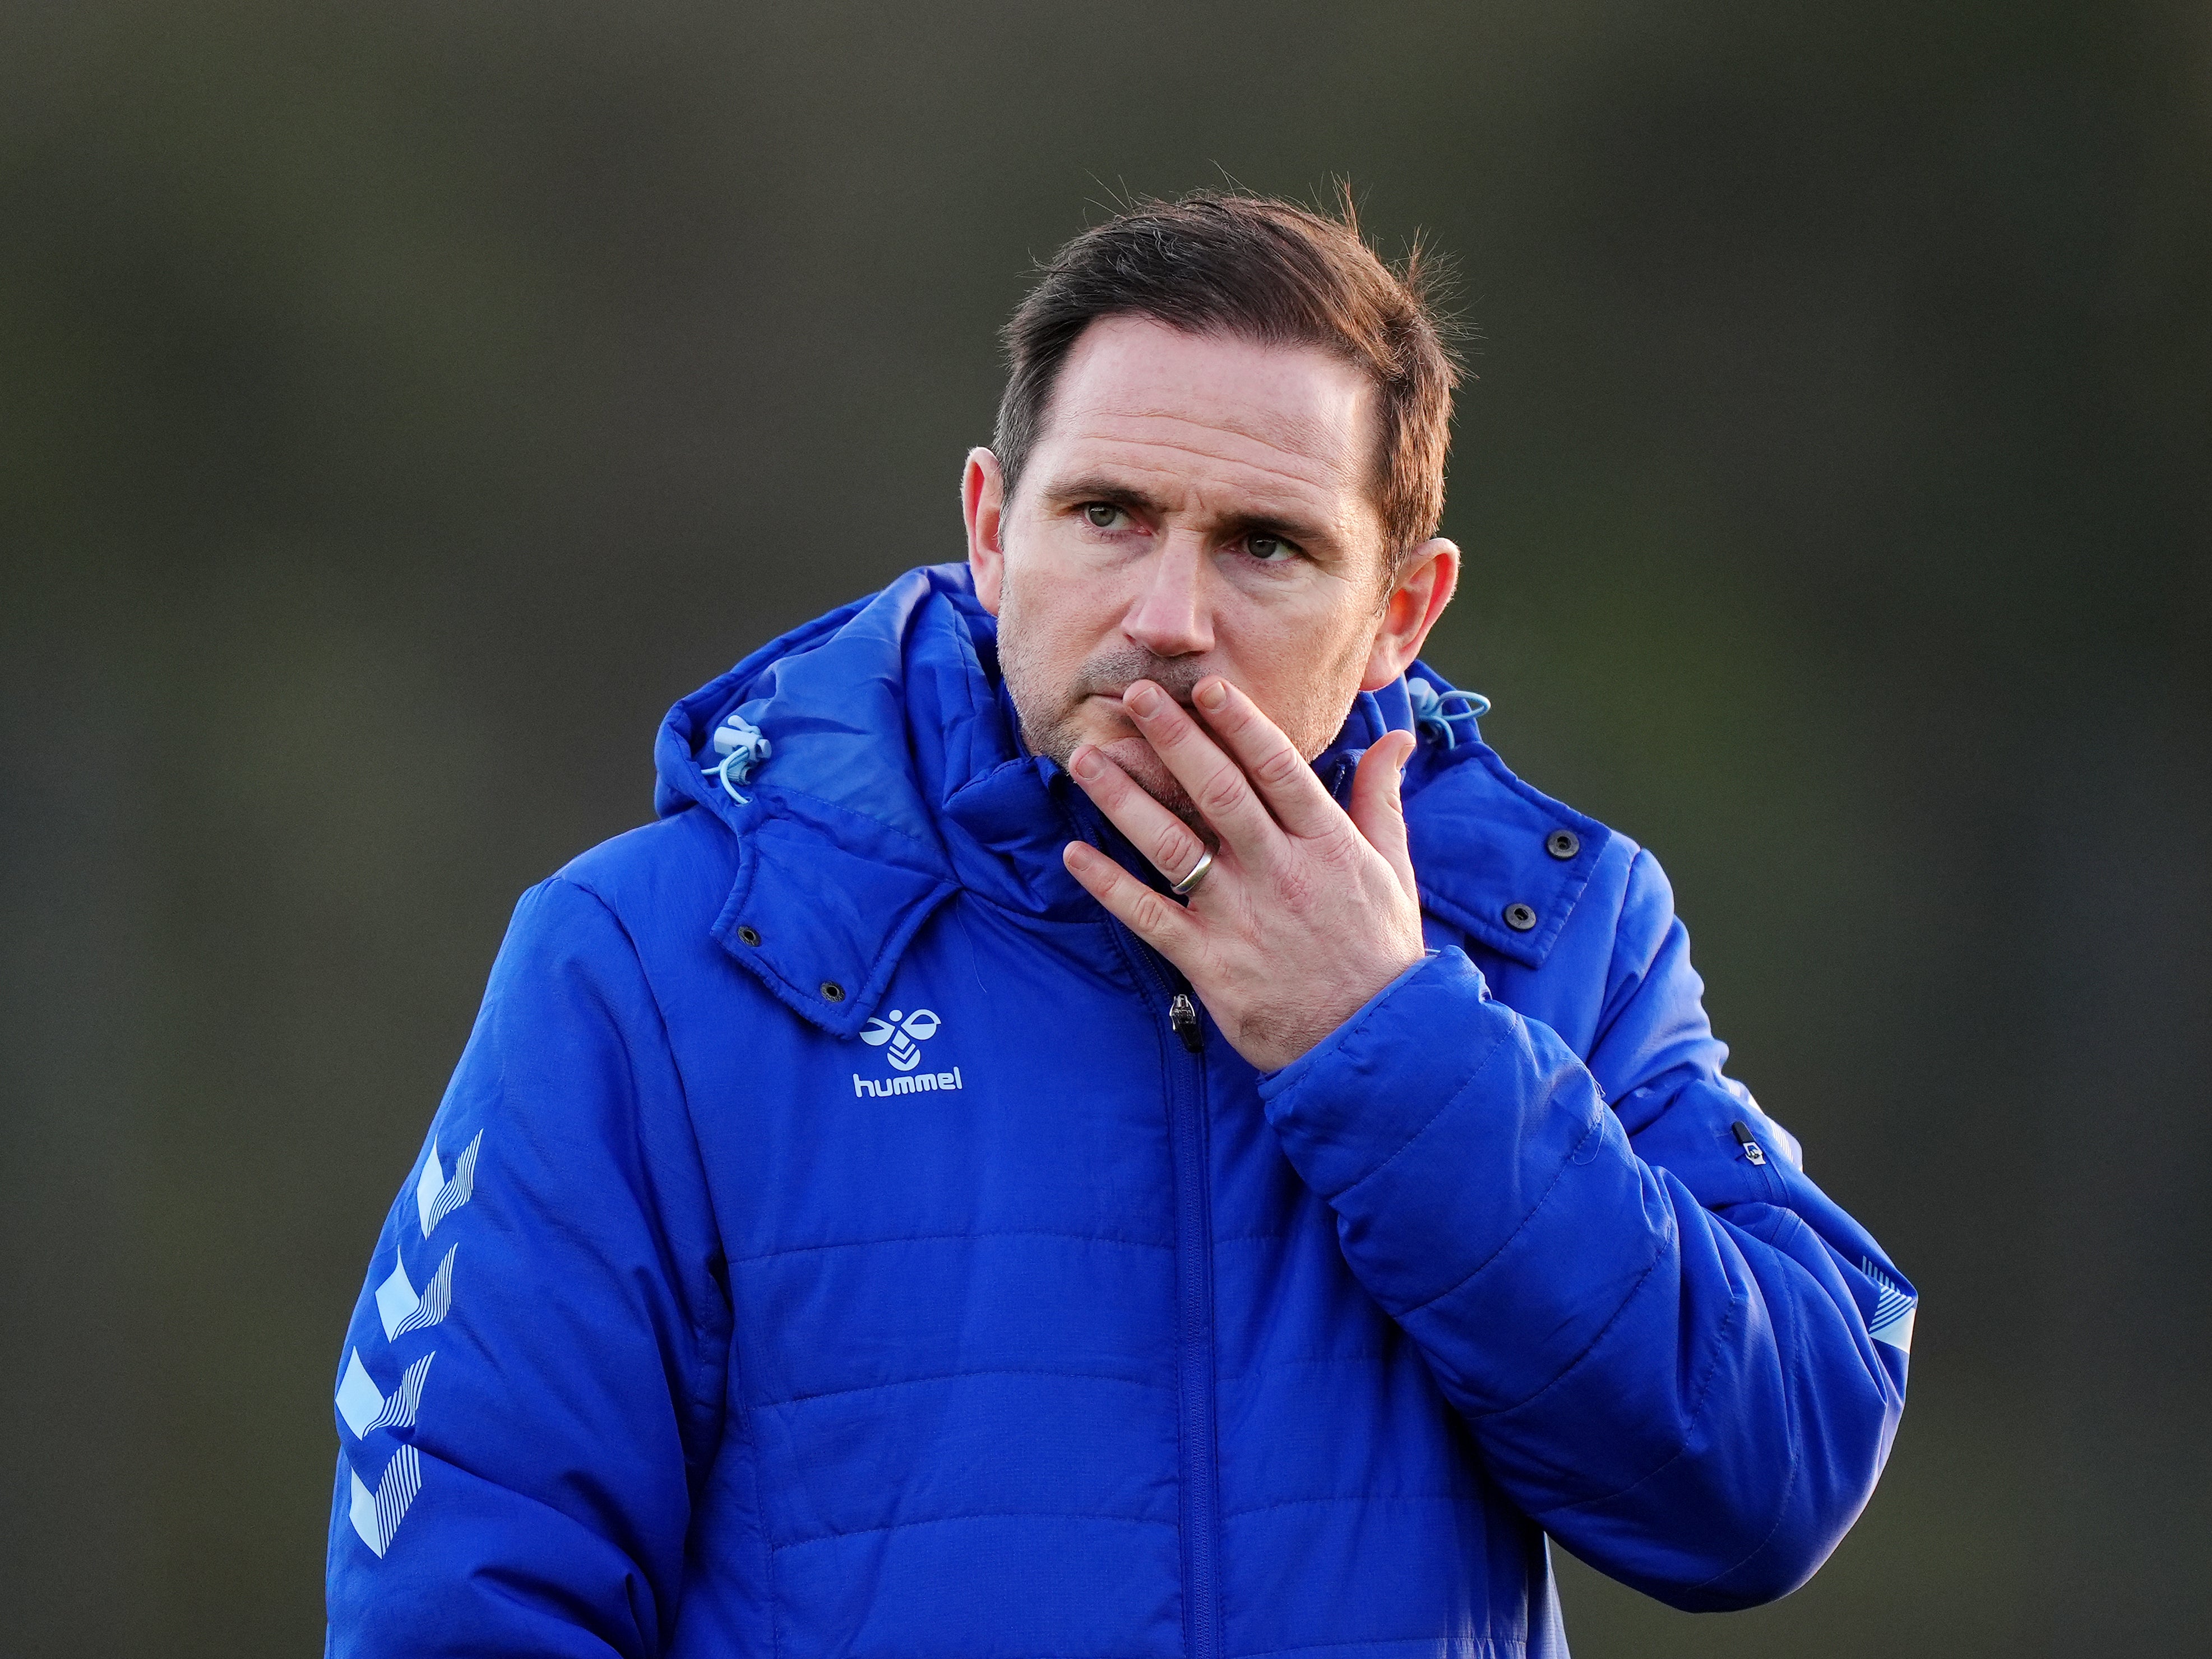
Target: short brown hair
(1220, 262)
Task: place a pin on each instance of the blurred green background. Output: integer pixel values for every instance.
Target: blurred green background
(401, 405)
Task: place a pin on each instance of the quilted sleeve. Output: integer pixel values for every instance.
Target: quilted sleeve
(530, 1392)
(1677, 1355)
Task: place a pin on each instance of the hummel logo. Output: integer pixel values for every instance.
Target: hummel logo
(927, 1083)
(906, 1040)
(906, 1033)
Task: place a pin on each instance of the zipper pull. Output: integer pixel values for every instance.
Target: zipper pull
(1182, 1015)
(1752, 1149)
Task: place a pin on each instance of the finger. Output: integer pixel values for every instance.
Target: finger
(1378, 811)
(1160, 922)
(1283, 777)
(1153, 831)
(1215, 783)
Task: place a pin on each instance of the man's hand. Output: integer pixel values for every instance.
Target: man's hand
(1306, 912)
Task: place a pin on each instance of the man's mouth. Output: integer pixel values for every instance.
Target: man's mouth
(1115, 696)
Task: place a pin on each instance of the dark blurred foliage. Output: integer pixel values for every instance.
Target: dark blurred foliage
(401, 405)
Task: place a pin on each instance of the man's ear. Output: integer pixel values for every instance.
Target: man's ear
(982, 503)
(1425, 580)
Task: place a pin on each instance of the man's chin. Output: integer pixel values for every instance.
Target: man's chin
(1150, 773)
(1100, 722)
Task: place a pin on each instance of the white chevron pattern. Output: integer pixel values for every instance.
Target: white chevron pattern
(437, 1195)
(363, 1404)
(377, 1516)
(402, 1310)
(365, 1408)
(1891, 1321)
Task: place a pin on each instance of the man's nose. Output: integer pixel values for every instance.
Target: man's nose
(1170, 616)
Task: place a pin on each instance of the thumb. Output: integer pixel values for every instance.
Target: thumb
(1377, 810)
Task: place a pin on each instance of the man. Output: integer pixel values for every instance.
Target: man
(1101, 1119)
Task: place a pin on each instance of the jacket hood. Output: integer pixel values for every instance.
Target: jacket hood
(878, 769)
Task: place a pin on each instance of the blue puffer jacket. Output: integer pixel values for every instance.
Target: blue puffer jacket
(829, 1246)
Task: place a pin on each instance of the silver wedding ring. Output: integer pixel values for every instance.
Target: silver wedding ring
(1188, 885)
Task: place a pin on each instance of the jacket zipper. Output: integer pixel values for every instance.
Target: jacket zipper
(1194, 1390)
(1182, 1016)
(1194, 1307)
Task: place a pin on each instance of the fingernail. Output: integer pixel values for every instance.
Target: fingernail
(1213, 693)
(1085, 763)
(1143, 697)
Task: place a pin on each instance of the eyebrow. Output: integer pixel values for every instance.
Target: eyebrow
(1097, 487)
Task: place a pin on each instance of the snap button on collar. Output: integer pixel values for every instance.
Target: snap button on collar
(1563, 844)
(1521, 918)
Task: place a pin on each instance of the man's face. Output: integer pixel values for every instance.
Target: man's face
(1195, 505)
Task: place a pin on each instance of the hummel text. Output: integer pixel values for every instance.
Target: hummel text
(926, 1082)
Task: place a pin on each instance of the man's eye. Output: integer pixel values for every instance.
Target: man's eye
(1272, 550)
(1102, 514)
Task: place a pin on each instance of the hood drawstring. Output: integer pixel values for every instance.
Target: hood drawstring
(742, 747)
(1430, 715)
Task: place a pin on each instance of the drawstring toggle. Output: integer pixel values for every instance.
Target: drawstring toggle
(742, 746)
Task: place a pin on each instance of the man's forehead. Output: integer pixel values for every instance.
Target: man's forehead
(1296, 410)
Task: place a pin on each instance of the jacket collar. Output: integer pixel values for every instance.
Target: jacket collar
(895, 776)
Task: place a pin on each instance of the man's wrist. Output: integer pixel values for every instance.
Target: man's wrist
(1343, 1028)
